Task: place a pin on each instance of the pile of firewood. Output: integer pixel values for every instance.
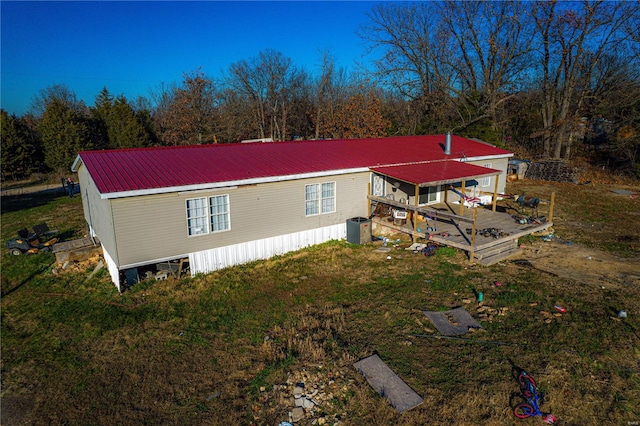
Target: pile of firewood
(553, 170)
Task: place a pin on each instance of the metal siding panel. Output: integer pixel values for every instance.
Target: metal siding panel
(222, 257)
(112, 267)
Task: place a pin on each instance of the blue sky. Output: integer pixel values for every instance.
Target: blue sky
(133, 47)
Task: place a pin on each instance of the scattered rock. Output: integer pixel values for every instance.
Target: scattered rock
(297, 414)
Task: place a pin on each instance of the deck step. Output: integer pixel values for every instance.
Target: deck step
(497, 253)
(498, 257)
(493, 255)
(498, 247)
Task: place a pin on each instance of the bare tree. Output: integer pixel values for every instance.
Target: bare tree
(489, 46)
(60, 93)
(406, 33)
(237, 121)
(161, 99)
(323, 87)
(468, 55)
(190, 116)
(265, 81)
(573, 38)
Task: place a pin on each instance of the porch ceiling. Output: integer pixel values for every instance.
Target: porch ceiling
(435, 173)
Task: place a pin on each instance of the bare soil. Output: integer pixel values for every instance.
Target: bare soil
(588, 266)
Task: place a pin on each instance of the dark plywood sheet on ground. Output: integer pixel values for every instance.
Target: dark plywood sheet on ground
(452, 323)
(387, 383)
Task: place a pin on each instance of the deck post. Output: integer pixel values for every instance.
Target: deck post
(473, 236)
(414, 214)
(495, 194)
(368, 199)
(462, 199)
(553, 198)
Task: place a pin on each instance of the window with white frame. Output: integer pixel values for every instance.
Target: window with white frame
(197, 216)
(219, 210)
(486, 181)
(378, 185)
(320, 198)
(208, 215)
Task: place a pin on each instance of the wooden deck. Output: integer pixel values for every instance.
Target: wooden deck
(445, 226)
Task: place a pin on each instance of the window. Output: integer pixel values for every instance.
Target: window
(197, 216)
(320, 198)
(203, 217)
(219, 209)
(378, 185)
(328, 197)
(429, 194)
(486, 181)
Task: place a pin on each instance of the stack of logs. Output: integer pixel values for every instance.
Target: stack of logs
(553, 170)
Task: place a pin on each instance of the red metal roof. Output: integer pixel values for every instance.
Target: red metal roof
(148, 169)
(439, 172)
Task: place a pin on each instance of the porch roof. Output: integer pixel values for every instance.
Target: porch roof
(435, 173)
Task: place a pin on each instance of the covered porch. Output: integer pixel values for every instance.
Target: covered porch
(476, 224)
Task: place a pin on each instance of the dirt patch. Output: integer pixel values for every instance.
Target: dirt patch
(584, 265)
(16, 410)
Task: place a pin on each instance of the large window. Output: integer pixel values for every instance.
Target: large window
(320, 198)
(197, 216)
(486, 181)
(204, 216)
(219, 209)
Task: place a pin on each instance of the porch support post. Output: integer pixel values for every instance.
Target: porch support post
(495, 194)
(553, 198)
(446, 193)
(473, 236)
(368, 199)
(462, 198)
(414, 215)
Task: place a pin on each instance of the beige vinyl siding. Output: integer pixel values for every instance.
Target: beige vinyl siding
(97, 212)
(154, 227)
(496, 163)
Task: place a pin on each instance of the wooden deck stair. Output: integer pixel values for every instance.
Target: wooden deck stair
(498, 252)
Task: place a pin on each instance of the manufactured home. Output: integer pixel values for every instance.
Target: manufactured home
(226, 204)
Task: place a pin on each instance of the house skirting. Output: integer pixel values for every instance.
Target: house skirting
(218, 258)
(112, 267)
(221, 257)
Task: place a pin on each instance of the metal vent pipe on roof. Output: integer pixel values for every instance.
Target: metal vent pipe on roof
(447, 144)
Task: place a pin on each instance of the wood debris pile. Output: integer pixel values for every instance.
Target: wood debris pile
(553, 170)
(78, 266)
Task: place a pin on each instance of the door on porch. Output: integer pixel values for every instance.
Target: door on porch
(429, 195)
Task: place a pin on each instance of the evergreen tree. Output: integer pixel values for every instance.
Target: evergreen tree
(116, 125)
(64, 132)
(17, 148)
(124, 129)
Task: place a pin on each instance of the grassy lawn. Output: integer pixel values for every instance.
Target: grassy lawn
(228, 347)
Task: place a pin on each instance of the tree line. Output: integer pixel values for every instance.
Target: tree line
(554, 79)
